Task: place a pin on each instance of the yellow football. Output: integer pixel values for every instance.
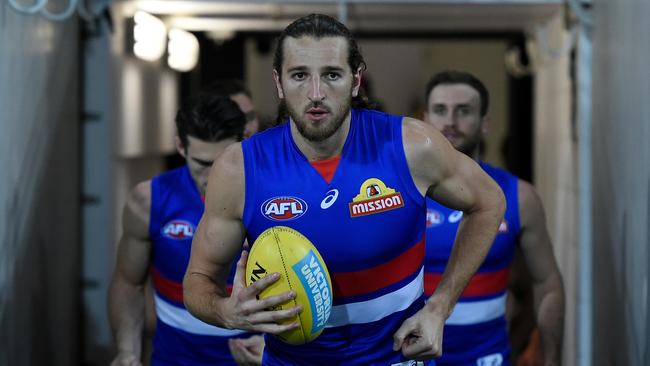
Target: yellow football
(284, 250)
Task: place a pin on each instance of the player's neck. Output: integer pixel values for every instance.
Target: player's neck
(321, 150)
(475, 154)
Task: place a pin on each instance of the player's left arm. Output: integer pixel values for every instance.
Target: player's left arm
(548, 290)
(458, 182)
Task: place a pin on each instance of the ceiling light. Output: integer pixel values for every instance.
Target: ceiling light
(149, 35)
(183, 50)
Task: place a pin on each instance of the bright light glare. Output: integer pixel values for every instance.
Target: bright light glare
(183, 50)
(149, 34)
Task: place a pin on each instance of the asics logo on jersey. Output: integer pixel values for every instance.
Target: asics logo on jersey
(455, 216)
(283, 208)
(503, 227)
(495, 359)
(329, 199)
(178, 230)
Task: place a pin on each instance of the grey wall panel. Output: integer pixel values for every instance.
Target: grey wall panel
(621, 182)
(39, 190)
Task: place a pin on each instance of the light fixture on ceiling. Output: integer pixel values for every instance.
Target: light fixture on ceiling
(183, 49)
(149, 35)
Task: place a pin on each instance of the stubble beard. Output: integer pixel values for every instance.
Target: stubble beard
(321, 130)
(469, 145)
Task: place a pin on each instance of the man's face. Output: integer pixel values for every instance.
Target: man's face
(317, 84)
(455, 110)
(246, 105)
(199, 156)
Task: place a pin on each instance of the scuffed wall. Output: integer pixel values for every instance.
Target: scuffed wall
(556, 160)
(39, 193)
(621, 182)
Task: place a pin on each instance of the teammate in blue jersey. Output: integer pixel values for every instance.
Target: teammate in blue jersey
(356, 181)
(159, 221)
(476, 331)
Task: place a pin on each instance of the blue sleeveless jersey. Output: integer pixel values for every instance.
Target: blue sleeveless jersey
(368, 224)
(180, 338)
(475, 333)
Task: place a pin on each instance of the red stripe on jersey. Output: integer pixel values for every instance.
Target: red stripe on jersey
(166, 287)
(346, 284)
(481, 284)
(170, 289)
(326, 168)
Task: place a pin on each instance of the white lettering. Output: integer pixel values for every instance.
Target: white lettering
(272, 208)
(295, 209)
(284, 207)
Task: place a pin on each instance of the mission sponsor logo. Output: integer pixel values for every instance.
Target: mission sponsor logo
(283, 208)
(178, 230)
(375, 197)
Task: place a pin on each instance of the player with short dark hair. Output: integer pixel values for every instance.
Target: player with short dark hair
(159, 221)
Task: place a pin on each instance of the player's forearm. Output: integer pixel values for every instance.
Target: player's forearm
(473, 240)
(126, 313)
(549, 308)
(203, 298)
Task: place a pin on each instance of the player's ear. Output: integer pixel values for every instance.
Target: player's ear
(356, 80)
(278, 84)
(179, 146)
(485, 124)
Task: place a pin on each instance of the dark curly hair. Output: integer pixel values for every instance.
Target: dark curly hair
(210, 117)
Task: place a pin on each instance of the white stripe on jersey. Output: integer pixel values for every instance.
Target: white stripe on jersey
(473, 312)
(182, 319)
(378, 308)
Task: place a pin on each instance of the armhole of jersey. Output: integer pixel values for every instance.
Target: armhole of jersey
(247, 214)
(153, 209)
(515, 212)
(403, 165)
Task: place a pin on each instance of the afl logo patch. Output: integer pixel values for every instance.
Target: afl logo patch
(434, 218)
(283, 208)
(178, 230)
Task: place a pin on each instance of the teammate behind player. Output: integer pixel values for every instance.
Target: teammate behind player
(475, 333)
(159, 221)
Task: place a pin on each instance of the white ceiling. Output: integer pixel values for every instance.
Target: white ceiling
(362, 15)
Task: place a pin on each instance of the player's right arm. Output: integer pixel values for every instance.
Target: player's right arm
(217, 241)
(126, 302)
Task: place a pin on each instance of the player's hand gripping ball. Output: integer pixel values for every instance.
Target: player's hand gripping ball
(284, 250)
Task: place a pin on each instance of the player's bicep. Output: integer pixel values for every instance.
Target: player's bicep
(443, 173)
(134, 248)
(463, 185)
(217, 242)
(133, 259)
(534, 239)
